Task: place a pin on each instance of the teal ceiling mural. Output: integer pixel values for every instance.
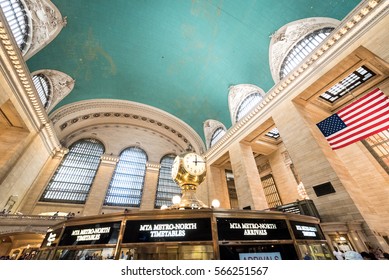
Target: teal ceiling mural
(180, 56)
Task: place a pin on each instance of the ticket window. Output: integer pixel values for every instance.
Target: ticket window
(168, 252)
(258, 252)
(86, 254)
(315, 251)
(45, 255)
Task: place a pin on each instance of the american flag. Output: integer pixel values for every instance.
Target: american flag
(362, 118)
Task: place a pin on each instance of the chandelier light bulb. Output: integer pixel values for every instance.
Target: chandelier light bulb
(176, 199)
(215, 203)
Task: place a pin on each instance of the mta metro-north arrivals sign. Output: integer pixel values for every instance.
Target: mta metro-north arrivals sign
(252, 229)
(167, 230)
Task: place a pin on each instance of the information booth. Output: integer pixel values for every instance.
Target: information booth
(201, 234)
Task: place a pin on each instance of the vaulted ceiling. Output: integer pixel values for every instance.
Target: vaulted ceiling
(180, 56)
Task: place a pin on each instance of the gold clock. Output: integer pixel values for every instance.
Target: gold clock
(189, 169)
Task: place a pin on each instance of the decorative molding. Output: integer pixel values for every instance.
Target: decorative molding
(237, 94)
(287, 159)
(90, 132)
(264, 167)
(47, 23)
(82, 114)
(285, 38)
(61, 85)
(153, 166)
(24, 88)
(210, 127)
(370, 11)
(61, 153)
(109, 159)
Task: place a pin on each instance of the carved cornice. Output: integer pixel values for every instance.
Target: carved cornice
(82, 114)
(109, 159)
(24, 89)
(363, 16)
(60, 153)
(153, 166)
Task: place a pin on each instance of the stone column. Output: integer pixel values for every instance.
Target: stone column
(247, 181)
(217, 187)
(315, 162)
(32, 197)
(150, 186)
(95, 200)
(286, 183)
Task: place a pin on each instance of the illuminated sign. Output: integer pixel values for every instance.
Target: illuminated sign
(306, 231)
(260, 256)
(102, 233)
(90, 233)
(51, 238)
(167, 230)
(252, 229)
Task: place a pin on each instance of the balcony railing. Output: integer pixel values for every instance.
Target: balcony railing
(302, 207)
(27, 223)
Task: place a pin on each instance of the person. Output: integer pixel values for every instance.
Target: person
(386, 256)
(307, 256)
(368, 256)
(338, 255)
(352, 255)
(365, 255)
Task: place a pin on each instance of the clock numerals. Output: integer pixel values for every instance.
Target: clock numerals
(194, 164)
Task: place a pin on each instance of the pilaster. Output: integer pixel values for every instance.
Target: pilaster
(31, 199)
(98, 191)
(150, 186)
(217, 187)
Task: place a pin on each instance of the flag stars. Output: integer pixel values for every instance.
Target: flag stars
(331, 125)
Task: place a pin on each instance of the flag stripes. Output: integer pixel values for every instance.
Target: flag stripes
(365, 117)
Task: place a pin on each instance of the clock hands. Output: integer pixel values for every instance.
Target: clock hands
(198, 161)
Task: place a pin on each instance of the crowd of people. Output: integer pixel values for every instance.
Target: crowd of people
(372, 254)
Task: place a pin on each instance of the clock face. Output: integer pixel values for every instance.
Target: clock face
(175, 167)
(194, 164)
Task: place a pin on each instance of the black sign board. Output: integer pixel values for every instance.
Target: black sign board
(168, 230)
(101, 233)
(52, 238)
(252, 229)
(306, 231)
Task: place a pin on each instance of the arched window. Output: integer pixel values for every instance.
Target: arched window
(42, 86)
(166, 188)
(126, 185)
(17, 19)
(302, 49)
(74, 176)
(216, 135)
(248, 104)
